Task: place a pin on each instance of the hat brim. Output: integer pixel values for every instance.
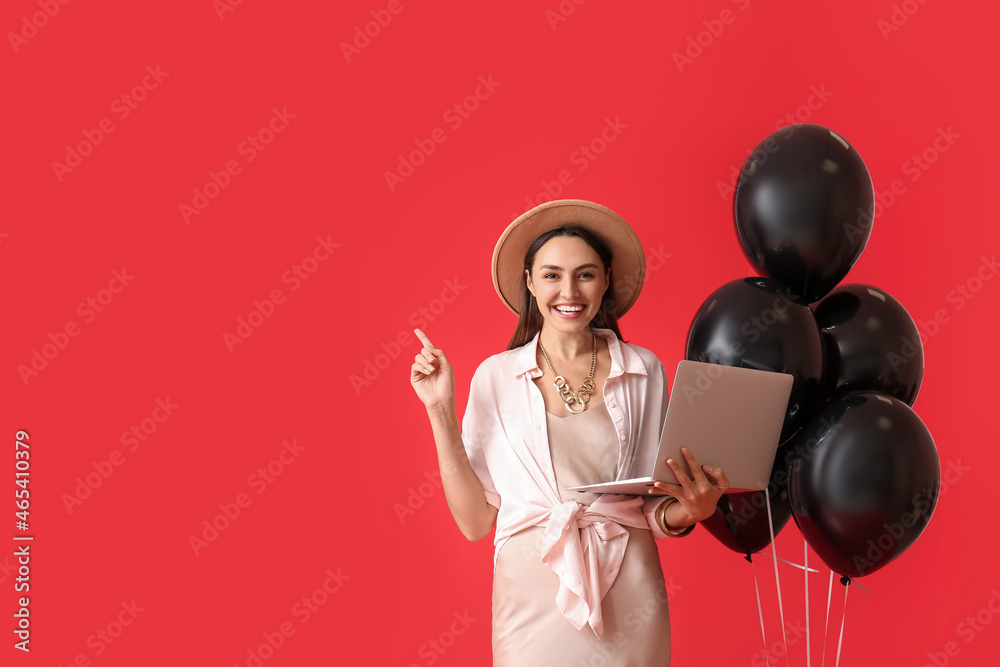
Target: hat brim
(628, 263)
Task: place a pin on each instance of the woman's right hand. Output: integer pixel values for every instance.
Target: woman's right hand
(431, 374)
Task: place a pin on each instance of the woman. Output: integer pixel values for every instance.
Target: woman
(576, 575)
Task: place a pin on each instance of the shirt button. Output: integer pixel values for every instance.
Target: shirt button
(613, 405)
(623, 438)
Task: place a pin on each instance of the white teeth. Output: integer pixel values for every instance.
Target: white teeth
(569, 309)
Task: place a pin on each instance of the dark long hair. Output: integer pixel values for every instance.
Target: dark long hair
(530, 320)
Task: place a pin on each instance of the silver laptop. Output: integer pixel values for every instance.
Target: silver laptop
(728, 417)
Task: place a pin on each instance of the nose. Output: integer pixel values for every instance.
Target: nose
(570, 289)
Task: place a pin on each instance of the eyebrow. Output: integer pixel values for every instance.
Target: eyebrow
(559, 268)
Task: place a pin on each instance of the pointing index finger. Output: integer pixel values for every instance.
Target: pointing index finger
(424, 339)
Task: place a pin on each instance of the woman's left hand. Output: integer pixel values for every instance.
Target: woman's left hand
(697, 497)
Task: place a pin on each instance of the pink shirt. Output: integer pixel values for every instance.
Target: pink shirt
(505, 435)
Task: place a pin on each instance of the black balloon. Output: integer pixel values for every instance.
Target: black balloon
(872, 343)
(803, 209)
(740, 519)
(865, 478)
(750, 323)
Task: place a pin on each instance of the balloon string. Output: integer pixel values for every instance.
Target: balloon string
(843, 619)
(777, 581)
(826, 629)
(760, 611)
(788, 562)
(855, 582)
(805, 573)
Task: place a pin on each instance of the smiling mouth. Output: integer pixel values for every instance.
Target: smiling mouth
(568, 310)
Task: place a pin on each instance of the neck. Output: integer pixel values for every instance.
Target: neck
(567, 347)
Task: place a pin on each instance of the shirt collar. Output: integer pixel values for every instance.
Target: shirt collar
(623, 358)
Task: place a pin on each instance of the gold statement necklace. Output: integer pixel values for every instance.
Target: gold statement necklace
(582, 395)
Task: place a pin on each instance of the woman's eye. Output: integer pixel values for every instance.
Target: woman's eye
(586, 275)
(550, 275)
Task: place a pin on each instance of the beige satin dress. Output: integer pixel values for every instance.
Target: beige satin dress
(528, 628)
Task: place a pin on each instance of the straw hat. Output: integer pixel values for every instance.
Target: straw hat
(628, 263)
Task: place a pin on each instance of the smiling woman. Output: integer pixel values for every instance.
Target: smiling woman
(580, 293)
(568, 566)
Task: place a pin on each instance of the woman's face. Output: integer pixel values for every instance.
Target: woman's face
(568, 281)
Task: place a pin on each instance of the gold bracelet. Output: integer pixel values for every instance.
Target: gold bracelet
(661, 520)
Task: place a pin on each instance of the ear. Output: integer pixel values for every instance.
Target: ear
(527, 277)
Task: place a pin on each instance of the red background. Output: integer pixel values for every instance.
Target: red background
(368, 447)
